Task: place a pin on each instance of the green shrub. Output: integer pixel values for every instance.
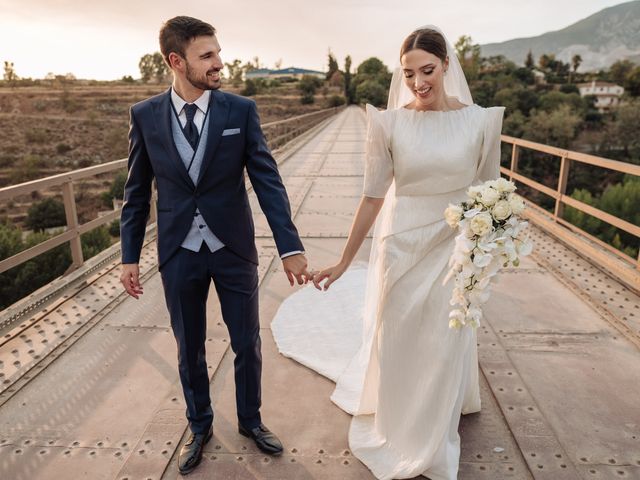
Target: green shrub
(336, 101)
(46, 214)
(62, 148)
(35, 135)
(95, 241)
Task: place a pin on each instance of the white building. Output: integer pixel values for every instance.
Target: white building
(607, 94)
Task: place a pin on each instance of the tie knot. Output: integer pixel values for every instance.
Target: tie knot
(190, 110)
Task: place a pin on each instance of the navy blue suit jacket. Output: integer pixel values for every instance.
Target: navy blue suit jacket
(220, 192)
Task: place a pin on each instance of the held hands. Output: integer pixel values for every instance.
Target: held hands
(295, 267)
(331, 274)
(130, 279)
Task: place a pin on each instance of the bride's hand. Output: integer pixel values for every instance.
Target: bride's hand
(331, 274)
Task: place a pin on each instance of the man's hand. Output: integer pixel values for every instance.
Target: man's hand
(130, 279)
(295, 266)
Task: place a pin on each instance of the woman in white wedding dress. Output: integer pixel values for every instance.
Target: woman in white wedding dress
(399, 369)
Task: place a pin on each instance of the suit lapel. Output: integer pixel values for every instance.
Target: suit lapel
(162, 115)
(218, 115)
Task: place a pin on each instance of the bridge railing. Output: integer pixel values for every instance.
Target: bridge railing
(601, 253)
(277, 133)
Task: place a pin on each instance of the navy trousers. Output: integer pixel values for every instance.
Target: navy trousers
(186, 278)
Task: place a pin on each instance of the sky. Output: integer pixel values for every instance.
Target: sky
(105, 40)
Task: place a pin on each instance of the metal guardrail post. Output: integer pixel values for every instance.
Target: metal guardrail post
(71, 213)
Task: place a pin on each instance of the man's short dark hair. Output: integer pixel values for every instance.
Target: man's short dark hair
(177, 32)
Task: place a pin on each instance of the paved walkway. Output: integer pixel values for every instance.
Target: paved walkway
(89, 386)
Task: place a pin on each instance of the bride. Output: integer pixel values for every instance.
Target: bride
(382, 333)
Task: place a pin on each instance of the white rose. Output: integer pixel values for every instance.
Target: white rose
(503, 185)
(516, 203)
(453, 214)
(489, 196)
(481, 224)
(474, 191)
(501, 210)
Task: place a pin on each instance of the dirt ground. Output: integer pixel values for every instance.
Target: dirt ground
(46, 131)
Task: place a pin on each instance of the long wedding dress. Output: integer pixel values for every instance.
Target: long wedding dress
(381, 333)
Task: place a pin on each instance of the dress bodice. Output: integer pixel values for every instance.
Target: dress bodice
(431, 152)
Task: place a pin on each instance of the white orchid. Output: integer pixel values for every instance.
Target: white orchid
(491, 236)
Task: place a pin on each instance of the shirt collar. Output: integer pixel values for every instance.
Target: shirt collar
(201, 102)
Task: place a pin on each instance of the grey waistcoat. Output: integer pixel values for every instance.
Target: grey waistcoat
(199, 230)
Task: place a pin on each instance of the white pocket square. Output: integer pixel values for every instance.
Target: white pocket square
(230, 131)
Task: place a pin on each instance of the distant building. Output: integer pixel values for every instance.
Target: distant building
(607, 94)
(539, 77)
(291, 72)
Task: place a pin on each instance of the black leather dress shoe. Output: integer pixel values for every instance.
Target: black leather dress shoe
(191, 451)
(265, 440)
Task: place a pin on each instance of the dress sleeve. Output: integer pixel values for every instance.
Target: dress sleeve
(378, 168)
(489, 164)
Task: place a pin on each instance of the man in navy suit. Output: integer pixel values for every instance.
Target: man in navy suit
(197, 141)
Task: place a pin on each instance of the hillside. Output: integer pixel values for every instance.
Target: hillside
(601, 39)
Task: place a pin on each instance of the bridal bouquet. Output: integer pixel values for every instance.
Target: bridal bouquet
(491, 236)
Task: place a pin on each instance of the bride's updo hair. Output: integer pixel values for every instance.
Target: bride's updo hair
(425, 39)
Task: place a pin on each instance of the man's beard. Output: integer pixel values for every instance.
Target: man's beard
(203, 82)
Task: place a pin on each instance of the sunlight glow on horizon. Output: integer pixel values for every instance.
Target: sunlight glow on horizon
(105, 42)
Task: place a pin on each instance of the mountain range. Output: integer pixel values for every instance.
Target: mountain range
(601, 39)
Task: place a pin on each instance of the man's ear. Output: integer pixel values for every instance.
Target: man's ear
(176, 62)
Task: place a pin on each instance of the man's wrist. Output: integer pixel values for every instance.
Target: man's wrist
(290, 254)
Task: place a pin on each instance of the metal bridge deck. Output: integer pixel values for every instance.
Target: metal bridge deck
(89, 385)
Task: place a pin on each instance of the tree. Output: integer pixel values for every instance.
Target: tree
(557, 128)
(337, 80)
(153, 66)
(47, 213)
(9, 73)
(625, 130)
(250, 88)
(632, 82)
(308, 85)
(116, 191)
(371, 91)
(146, 67)
(619, 70)
(10, 240)
(576, 60)
(278, 64)
(160, 68)
(95, 241)
(235, 72)
(333, 65)
(348, 91)
(469, 56)
(371, 82)
(550, 101)
(373, 67)
(529, 62)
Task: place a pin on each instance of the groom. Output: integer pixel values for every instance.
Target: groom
(197, 142)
